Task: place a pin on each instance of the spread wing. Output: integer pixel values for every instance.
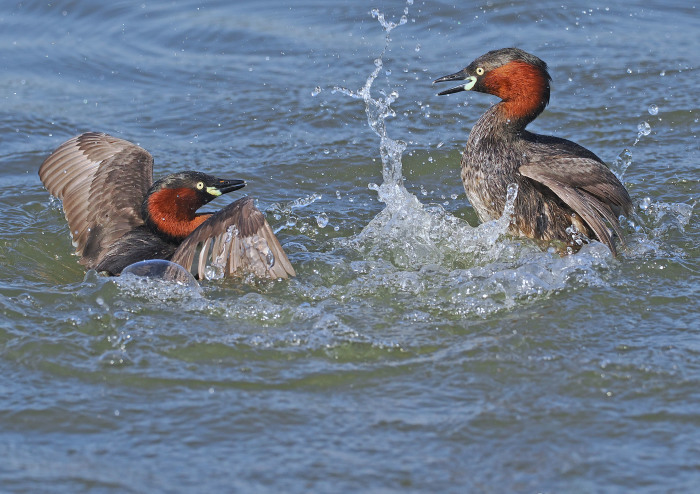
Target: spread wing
(102, 181)
(586, 186)
(236, 240)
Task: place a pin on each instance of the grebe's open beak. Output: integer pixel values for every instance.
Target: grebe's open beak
(225, 186)
(462, 75)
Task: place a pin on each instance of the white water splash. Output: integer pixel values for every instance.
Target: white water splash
(643, 129)
(400, 204)
(378, 110)
(408, 232)
(622, 163)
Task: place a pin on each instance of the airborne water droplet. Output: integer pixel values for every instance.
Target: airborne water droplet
(622, 162)
(644, 129)
(653, 110)
(322, 220)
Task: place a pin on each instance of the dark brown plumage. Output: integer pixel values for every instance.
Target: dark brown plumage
(560, 183)
(118, 216)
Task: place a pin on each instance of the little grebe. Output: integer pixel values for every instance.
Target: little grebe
(560, 183)
(118, 216)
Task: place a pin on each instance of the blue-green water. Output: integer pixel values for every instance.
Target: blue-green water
(413, 352)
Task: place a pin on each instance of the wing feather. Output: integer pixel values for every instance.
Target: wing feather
(588, 187)
(102, 181)
(238, 240)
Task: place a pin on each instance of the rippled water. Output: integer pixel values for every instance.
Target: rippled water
(416, 350)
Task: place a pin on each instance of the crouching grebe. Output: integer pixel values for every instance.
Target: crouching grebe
(119, 216)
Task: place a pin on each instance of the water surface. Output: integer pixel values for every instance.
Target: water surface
(416, 350)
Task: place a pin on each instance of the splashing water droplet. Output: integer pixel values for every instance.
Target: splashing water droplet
(212, 272)
(511, 194)
(645, 203)
(322, 220)
(622, 162)
(317, 90)
(653, 110)
(231, 231)
(392, 190)
(643, 129)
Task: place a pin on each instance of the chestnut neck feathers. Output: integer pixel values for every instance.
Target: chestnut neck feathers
(172, 213)
(523, 89)
(171, 204)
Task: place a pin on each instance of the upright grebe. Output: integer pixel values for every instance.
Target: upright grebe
(560, 183)
(118, 216)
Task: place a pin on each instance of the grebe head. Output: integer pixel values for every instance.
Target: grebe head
(195, 187)
(520, 79)
(171, 203)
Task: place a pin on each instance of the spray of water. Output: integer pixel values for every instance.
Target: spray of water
(392, 191)
(408, 232)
